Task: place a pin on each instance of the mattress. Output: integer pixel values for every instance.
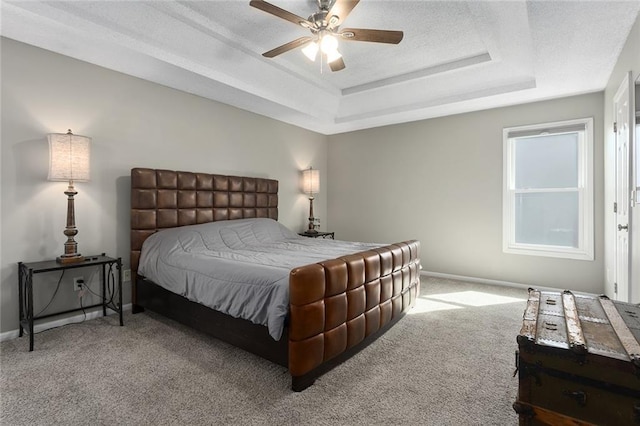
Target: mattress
(238, 267)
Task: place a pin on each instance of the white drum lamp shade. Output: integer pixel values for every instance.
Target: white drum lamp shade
(69, 157)
(311, 181)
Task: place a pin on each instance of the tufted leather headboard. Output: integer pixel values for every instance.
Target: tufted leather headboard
(167, 199)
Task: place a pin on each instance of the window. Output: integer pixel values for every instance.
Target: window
(548, 190)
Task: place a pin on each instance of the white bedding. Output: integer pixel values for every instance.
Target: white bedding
(238, 267)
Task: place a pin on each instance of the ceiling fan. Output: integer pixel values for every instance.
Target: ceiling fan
(325, 32)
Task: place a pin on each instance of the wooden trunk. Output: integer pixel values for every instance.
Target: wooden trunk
(578, 361)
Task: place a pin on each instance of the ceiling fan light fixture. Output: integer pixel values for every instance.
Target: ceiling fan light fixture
(311, 50)
(328, 43)
(334, 55)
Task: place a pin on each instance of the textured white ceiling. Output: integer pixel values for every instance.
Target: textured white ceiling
(456, 56)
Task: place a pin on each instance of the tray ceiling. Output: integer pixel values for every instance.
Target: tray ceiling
(456, 56)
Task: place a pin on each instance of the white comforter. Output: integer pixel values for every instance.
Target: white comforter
(239, 267)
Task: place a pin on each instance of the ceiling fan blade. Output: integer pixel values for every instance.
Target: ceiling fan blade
(337, 65)
(375, 36)
(341, 9)
(287, 47)
(280, 13)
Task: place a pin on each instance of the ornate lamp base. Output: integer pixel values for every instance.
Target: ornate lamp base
(70, 246)
(312, 229)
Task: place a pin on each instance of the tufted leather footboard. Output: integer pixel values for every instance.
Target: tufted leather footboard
(339, 305)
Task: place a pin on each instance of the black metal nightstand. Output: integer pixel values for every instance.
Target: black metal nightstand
(318, 234)
(26, 270)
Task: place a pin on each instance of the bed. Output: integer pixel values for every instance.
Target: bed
(336, 306)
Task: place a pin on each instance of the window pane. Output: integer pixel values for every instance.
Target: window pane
(547, 218)
(549, 161)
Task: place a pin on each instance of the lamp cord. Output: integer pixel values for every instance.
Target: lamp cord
(110, 288)
(84, 312)
(54, 294)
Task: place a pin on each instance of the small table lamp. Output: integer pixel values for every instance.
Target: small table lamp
(69, 161)
(311, 186)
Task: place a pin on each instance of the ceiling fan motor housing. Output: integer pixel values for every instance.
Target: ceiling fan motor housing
(321, 23)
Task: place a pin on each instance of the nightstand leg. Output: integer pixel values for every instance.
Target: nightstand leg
(30, 308)
(21, 297)
(104, 293)
(120, 290)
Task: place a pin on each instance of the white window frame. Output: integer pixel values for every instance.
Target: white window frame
(585, 249)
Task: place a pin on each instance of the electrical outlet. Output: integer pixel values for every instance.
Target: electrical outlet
(126, 275)
(78, 282)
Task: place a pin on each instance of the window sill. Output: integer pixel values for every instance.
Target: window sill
(547, 251)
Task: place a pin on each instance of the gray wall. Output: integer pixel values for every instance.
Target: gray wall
(133, 123)
(629, 60)
(440, 181)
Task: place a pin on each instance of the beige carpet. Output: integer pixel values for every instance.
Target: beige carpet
(450, 362)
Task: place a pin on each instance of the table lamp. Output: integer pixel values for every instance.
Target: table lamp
(69, 161)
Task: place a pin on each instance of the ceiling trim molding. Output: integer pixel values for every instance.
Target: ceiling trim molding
(491, 91)
(418, 74)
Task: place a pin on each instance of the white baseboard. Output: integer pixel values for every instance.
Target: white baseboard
(485, 281)
(8, 335)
